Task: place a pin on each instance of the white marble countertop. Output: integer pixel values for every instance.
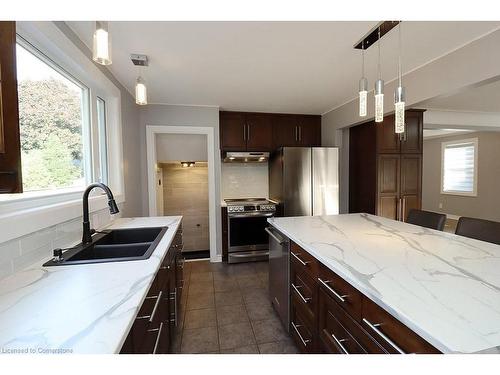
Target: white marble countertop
(444, 287)
(79, 308)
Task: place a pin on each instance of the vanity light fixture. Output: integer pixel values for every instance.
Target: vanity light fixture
(363, 86)
(101, 51)
(379, 89)
(399, 95)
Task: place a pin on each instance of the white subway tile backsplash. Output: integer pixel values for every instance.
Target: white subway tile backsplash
(22, 252)
(245, 180)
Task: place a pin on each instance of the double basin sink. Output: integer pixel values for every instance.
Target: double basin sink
(116, 245)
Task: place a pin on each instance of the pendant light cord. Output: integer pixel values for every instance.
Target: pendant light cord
(363, 59)
(400, 73)
(379, 73)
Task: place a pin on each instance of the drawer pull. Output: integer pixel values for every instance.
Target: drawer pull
(151, 317)
(157, 337)
(157, 303)
(383, 336)
(296, 328)
(325, 284)
(300, 260)
(339, 343)
(296, 288)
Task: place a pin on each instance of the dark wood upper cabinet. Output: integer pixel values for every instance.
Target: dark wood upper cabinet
(232, 131)
(413, 141)
(387, 140)
(10, 147)
(309, 130)
(243, 131)
(259, 132)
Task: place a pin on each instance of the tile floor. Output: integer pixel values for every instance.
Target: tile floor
(226, 309)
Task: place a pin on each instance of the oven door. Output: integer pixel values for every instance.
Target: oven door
(247, 231)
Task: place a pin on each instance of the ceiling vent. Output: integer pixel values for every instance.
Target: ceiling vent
(139, 60)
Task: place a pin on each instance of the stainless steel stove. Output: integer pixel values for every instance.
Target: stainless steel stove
(247, 220)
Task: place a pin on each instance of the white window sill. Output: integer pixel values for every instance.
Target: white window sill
(459, 193)
(25, 215)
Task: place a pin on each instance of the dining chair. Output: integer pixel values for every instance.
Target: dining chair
(427, 219)
(480, 229)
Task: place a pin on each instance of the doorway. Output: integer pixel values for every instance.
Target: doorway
(181, 172)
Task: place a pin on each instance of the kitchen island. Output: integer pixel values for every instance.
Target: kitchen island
(85, 308)
(443, 287)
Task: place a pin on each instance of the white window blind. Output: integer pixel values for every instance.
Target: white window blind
(459, 167)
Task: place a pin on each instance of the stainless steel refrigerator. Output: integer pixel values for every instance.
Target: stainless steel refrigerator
(305, 180)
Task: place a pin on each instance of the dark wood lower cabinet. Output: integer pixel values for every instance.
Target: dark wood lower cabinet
(329, 315)
(157, 320)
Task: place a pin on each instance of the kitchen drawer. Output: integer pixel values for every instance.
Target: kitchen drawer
(341, 291)
(303, 261)
(301, 329)
(305, 293)
(155, 340)
(393, 335)
(332, 319)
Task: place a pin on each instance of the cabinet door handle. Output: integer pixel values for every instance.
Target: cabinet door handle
(325, 284)
(296, 328)
(296, 134)
(374, 328)
(339, 343)
(300, 260)
(174, 298)
(157, 303)
(403, 209)
(300, 133)
(296, 288)
(248, 132)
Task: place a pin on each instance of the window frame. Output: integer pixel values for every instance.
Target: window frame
(88, 160)
(468, 141)
(52, 207)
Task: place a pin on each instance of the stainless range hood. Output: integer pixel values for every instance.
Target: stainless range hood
(246, 157)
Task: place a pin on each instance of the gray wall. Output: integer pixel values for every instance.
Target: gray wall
(176, 115)
(181, 147)
(486, 205)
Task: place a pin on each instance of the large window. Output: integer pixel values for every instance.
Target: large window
(54, 125)
(459, 171)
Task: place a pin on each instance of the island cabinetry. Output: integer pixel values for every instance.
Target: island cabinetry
(329, 315)
(155, 325)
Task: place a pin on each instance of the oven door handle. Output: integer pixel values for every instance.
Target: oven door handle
(250, 214)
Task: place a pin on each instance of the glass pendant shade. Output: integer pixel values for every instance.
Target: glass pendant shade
(141, 93)
(379, 100)
(363, 95)
(399, 106)
(101, 51)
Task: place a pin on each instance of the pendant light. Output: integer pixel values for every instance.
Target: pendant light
(363, 86)
(141, 91)
(101, 51)
(399, 95)
(379, 89)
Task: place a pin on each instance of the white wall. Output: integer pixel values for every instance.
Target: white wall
(176, 115)
(181, 147)
(245, 180)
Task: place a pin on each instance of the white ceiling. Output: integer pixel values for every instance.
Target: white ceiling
(296, 67)
(484, 98)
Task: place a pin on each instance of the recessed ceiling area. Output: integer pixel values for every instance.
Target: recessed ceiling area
(485, 98)
(292, 67)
